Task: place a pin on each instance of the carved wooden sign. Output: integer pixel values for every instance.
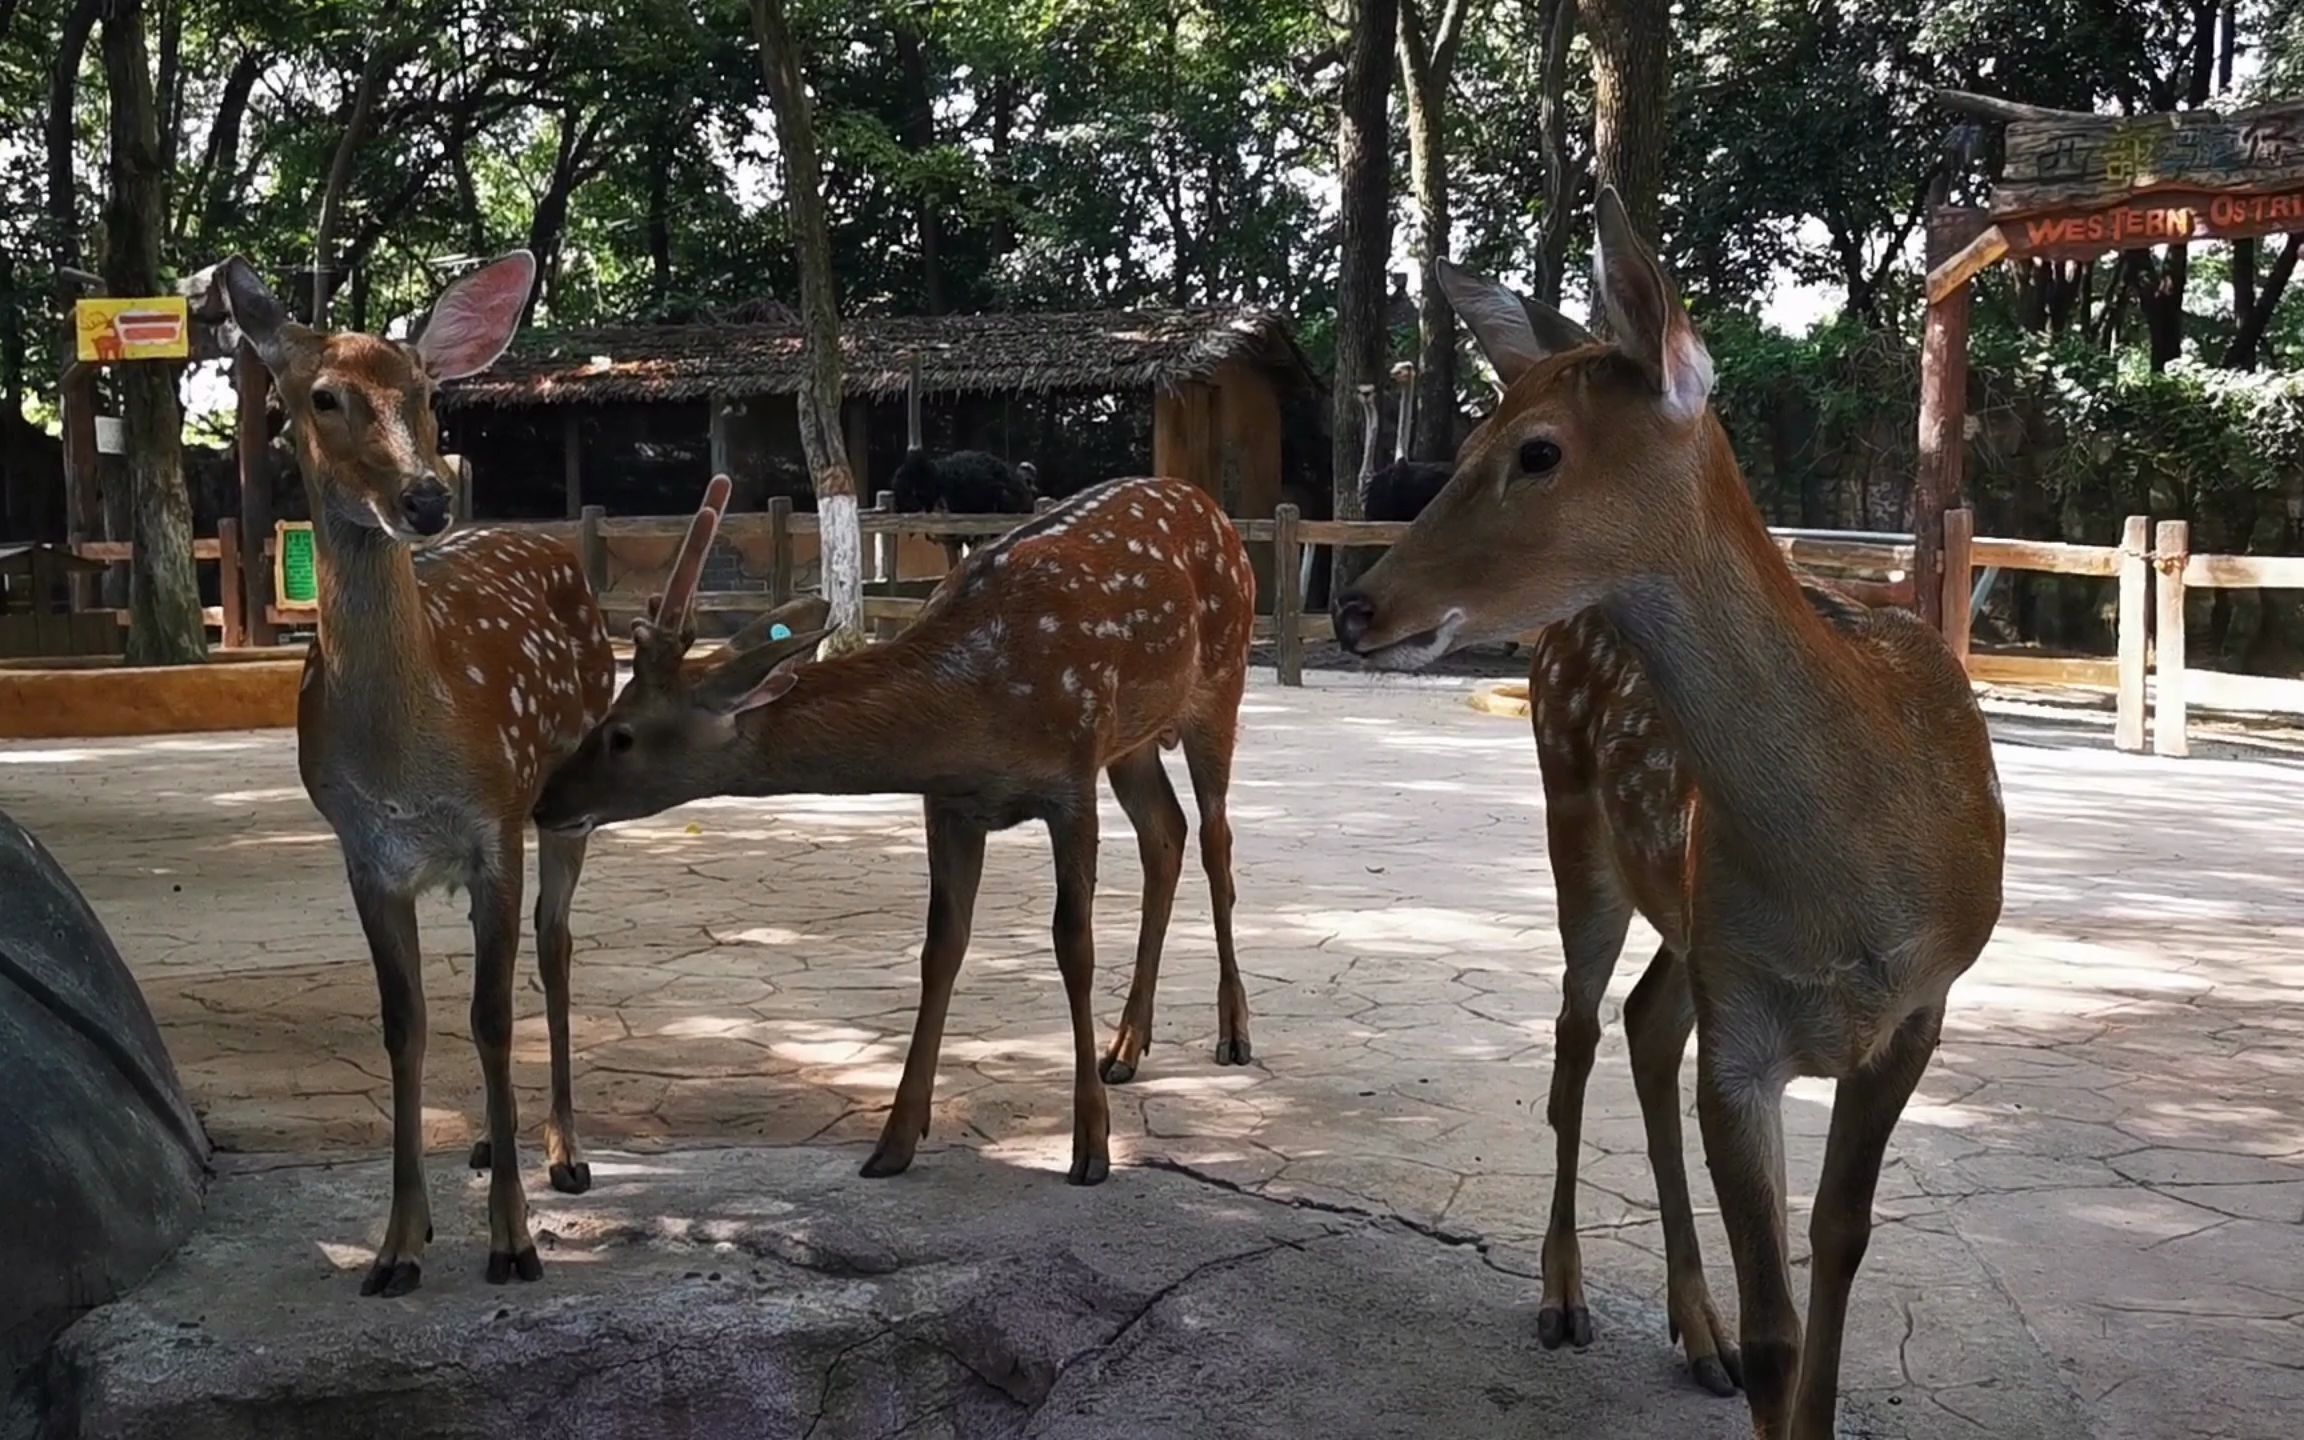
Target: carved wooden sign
(2165, 218)
(2058, 160)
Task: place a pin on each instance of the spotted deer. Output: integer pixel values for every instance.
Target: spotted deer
(1798, 793)
(450, 675)
(1084, 640)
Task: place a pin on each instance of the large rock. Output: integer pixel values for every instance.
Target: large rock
(762, 1293)
(101, 1159)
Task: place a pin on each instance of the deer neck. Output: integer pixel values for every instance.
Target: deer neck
(877, 721)
(1751, 681)
(375, 642)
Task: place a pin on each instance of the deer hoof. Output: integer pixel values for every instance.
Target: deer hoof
(572, 1179)
(483, 1155)
(1233, 1052)
(883, 1164)
(1557, 1326)
(1089, 1170)
(1719, 1373)
(390, 1278)
(1117, 1071)
(502, 1267)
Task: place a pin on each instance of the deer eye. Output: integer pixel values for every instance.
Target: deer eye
(620, 739)
(1539, 457)
(325, 400)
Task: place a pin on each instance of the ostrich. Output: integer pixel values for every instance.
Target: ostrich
(1402, 489)
(964, 482)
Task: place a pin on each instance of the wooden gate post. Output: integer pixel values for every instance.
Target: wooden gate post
(1959, 571)
(2130, 630)
(1942, 473)
(1287, 597)
(2171, 548)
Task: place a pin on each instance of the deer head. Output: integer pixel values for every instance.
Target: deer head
(1586, 480)
(360, 407)
(664, 740)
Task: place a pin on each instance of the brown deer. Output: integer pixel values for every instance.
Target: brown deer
(1084, 640)
(1798, 793)
(450, 675)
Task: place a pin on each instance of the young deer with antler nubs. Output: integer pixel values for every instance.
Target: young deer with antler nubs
(1797, 793)
(448, 678)
(1084, 640)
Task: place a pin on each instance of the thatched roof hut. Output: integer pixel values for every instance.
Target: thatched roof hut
(640, 414)
(1076, 352)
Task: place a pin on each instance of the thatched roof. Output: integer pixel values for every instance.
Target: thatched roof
(1088, 351)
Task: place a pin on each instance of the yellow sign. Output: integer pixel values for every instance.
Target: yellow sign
(151, 328)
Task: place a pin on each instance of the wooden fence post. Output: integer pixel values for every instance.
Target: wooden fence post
(2129, 629)
(228, 591)
(2171, 547)
(890, 541)
(779, 549)
(592, 547)
(1287, 597)
(1959, 537)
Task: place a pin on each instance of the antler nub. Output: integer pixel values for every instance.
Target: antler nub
(671, 612)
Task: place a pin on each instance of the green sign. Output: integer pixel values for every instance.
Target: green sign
(298, 585)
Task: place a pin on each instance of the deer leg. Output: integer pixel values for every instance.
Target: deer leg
(1208, 754)
(390, 923)
(559, 865)
(955, 867)
(1073, 833)
(1740, 1077)
(1865, 1109)
(1141, 782)
(495, 948)
(1657, 1018)
(1593, 919)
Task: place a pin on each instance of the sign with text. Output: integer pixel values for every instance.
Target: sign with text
(2161, 221)
(2062, 160)
(154, 327)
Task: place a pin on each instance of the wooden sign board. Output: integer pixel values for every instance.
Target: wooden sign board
(295, 583)
(154, 327)
(2161, 220)
(2062, 161)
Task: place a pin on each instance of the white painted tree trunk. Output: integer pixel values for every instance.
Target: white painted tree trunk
(842, 568)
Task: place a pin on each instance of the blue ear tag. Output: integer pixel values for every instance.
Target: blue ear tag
(779, 631)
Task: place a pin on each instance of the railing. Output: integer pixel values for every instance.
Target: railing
(1872, 567)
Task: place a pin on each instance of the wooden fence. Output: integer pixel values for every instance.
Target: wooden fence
(1875, 568)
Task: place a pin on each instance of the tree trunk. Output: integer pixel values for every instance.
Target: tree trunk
(919, 134)
(549, 224)
(660, 212)
(382, 61)
(2255, 297)
(1426, 58)
(821, 438)
(1563, 180)
(1631, 91)
(63, 87)
(164, 626)
(208, 201)
(1364, 174)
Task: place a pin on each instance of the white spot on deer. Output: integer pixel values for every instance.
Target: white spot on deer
(1048, 624)
(1135, 547)
(519, 701)
(1071, 681)
(477, 677)
(1163, 524)
(509, 757)
(1137, 511)
(1020, 688)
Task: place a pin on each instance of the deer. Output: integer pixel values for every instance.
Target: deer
(1798, 793)
(1085, 640)
(450, 674)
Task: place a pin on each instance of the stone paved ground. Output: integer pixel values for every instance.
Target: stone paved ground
(2097, 1198)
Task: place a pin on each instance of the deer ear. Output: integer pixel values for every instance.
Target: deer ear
(474, 319)
(255, 314)
(1513, 332)
(760, 675)
(1645, 315)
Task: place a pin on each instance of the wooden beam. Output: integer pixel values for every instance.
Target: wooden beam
(1942, 477)
(1959, 564)
(1992, 107)
(1287, 599)
(572, 460)
(2131, 633)
(1947, 278)
(252, 385)
(2170, 545)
